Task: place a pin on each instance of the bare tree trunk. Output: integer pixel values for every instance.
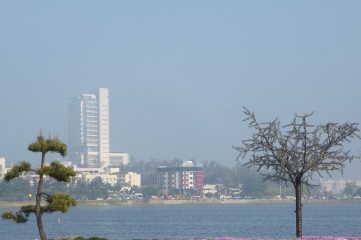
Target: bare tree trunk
(38, 203)
(298, 189)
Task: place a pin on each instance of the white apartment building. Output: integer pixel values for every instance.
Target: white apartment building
(336, 186)
(106, 178)
(89, 129)
(118, 159)
(131, 179)
(2, 166)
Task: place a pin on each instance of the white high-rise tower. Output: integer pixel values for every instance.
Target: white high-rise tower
(89, 129)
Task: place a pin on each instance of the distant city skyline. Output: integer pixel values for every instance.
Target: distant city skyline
(178, 72)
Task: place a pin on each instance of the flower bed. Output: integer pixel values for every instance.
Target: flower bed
(303, 238)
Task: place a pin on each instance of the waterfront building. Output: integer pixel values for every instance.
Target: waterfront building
(182, 179)
(111, 179)
(210, 188)
(112, 170)
(118, 159)
(2, 166)
(130, 179)
(89, 144)
(89, 129)
(80, 170)
(336, 186)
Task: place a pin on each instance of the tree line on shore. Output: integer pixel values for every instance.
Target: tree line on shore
(238, 176)
(250, 182)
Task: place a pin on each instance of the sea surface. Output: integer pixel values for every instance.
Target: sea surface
(192, 221)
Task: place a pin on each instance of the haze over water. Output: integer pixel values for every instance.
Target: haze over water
(178, 73)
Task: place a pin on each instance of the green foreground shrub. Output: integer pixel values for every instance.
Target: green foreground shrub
(80, 238)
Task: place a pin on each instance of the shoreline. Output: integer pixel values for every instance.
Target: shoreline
(6, 204)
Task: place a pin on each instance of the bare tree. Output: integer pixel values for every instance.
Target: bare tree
(294, 152)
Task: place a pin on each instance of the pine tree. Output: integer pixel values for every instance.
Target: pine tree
(55, 202)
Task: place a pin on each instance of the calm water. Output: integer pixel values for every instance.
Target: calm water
(192, 221)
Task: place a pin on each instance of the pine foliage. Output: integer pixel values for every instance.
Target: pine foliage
(16, 170)
(59, 202)
(58, 171)
(48, 145)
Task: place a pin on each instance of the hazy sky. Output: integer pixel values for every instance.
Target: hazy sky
(178, 72)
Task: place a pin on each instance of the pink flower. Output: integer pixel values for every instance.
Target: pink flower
(303, 238)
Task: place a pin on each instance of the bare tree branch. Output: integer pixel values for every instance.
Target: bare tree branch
(296, 151)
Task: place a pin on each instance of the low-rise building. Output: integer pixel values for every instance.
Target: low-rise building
(106, 178)
(130, 179)
(185, 178)
(112, 170)
(210, 188)
(336, 186)
(2, 167)
(118, 159)
(81, 170)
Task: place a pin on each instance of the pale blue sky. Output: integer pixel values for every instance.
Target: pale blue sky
(178, 72)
